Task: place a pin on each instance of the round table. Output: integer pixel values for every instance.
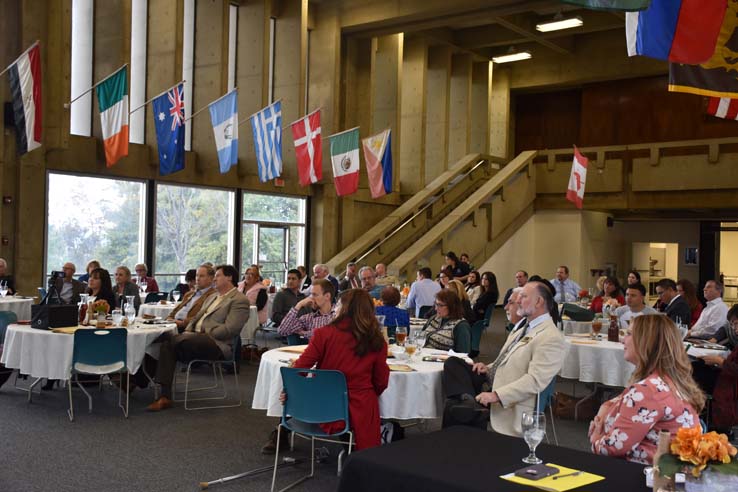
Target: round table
(409, 395)
(21, 306)
(576, 327)
(45, 354)
(157, 309)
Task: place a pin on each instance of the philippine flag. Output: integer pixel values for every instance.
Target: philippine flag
(25, 88)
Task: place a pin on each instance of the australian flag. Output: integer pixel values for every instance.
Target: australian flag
(169, 123)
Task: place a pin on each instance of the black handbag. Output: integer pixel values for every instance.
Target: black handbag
(47, 316)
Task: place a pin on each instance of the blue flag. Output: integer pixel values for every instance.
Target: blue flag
(267, 128)
(224, 116)
(169, 124)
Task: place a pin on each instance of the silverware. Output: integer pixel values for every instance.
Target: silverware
(574, 474)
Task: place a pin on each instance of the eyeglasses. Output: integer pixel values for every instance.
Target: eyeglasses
(440, 304)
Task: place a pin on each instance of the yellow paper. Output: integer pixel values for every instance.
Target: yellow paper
(294, 349)
(400, 368)
(68, 330)
(559, 485)
(584, 342)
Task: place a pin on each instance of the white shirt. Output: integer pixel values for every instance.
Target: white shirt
(422, 293)
(536, 321)
(712, 318)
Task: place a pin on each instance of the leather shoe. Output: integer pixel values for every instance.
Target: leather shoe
(161, 404)
(270, 447)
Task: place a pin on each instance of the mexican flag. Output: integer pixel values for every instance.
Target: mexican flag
(345, 161)
(112, 99)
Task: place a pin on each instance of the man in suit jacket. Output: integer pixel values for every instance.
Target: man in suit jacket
(677, 308)
(192, 302)
(68, 288)
(209, 335)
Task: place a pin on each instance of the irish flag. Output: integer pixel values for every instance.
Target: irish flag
(112, 99)
(345, 161)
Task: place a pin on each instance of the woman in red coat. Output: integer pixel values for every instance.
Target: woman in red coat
(353, 345)
(610, 290)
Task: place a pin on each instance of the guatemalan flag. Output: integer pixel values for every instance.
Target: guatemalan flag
(266, 126)
(378, 157)
(680, 31)
(25, 88)
(224, 116)
(169, 123)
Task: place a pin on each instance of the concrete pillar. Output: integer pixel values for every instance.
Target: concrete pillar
(478, 118)
(413, 122)
(386, 94)
(499, 112)
(459, 107)
(437, 111)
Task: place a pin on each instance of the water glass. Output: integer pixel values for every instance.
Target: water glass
(534, 430)
(117, 316)
(142, 285)
(3, 288)
(175, 295)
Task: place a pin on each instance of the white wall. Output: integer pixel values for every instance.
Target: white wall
(728, 256)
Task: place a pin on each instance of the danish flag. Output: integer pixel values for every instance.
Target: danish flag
(308, 148)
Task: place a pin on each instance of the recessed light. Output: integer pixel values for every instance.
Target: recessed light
(559, 24)
(512, 57)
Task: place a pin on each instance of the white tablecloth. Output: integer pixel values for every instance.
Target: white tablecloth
(19, 305)
(409, 395)
(45, 354)
(158, 309)
(571, 327)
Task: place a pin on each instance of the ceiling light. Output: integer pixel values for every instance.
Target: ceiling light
(559, 23)
(512, 57)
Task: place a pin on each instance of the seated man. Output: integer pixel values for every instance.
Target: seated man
(676, 307)
(192, 302)
(521, 278)
(566, 289)
(321, 300)
(714, 314)
(68, 288)
(423, 292)
(321, 271)
(5, 277)
(369, 282)
(287, 298)
(209, 335)
(349, 280)
(382, 278)
(142, 272)
(635, 305)
(528, 361)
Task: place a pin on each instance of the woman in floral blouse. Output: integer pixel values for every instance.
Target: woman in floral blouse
(662, 394)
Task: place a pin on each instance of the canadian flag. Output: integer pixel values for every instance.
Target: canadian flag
(308, 148)
(577, 179)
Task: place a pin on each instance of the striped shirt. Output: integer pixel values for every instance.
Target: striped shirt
(304, 325)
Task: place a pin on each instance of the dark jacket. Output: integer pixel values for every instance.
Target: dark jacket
(679, 310)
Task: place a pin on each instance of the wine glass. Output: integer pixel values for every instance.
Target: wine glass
(117, 316)
(534, 430)
(3, 288)
(175, 295)
(143, 285)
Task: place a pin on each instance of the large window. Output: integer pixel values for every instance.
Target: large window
(193, 225)
(273, 233)
(94, 218)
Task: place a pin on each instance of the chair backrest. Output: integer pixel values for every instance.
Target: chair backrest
(41, 292)
(156, 296)
(294, 339)
(476, 334)
(424, 311)
(315, 395)
(488, 314)
(100, 347)
(577, 313)
(6, 318)
(546, 396)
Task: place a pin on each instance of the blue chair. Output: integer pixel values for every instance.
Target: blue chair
(99, 352)
(218, 380)
(476, 331)
(544, 402)
(6, 318)
(156, 296)
(314, 396)
(41, 292)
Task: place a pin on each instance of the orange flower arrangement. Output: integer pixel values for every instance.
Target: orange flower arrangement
(406, 291)
(692, 446)
(101, 306)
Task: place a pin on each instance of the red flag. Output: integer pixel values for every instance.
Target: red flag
(577, 179)
(308, 148)
(723, 107)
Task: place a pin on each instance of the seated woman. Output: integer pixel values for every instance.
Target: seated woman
(633, 278)
(688, 291)
(124, 288)
(353, 344)
(488, 297)
(256, 292)
(473, 286)
(458, 289)
(99, 285)
(446, 275)
(610, 290)
(448, 329)
(393, 316)
(724, 378)
(662, 395)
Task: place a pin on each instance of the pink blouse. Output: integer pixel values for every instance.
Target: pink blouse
(638, 414)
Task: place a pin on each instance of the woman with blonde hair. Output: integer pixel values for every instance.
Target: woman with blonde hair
(458, 288)
(662, 394)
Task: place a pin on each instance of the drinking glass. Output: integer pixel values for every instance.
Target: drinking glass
(175, 295)
(401, 335)
(411, 347)
(596, 328)
(3, 288)
(117, 316)
(534, 430)
(142, 285)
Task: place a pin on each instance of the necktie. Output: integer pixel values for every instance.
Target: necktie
(562, 294)
(518, 336)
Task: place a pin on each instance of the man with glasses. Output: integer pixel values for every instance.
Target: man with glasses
(141, 274)
(676, 307)
(287, 298)
(369, 282)
(320, 301)
(566, 289)
(68, 288)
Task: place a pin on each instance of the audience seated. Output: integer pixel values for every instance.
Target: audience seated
(189, 284)
(193, 301)
(610, 290)
(458, 289)
(393, 316)
(446, 275)
(566, 289)
(255, 292)
(91, 265)
(674, 305)
(713, 315)
(321, 271)
(287, 298)
(209, 335)
(422, 292)
(459, 270)
(635, 305)
(304, 278)
(349, 280)
(5, 276)
(633, 278)
(488, 296)
(662, 395)
(464, 258)
(321, 301)
(521, 278)
(382, 278)
(448, 329)
(473, 286)
(68, 288)
(100, 287)
(528, 361)
(369, 282)
(141, 277)
(554, 312)
(724, 406)
(688, 291)
(124, 287)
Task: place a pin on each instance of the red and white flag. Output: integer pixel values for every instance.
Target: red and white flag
(25, 89)
(308, 148)
(577, 179)
(723, 107)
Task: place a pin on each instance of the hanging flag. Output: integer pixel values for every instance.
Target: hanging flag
(308, 148)
(25, 88)
(224, 116)
(717, 76)
(577, 179)
(723, 107)
(169, 123)
(112, 101)
(378, 158)
(345, 161)
(681, 31)
(622, 5)
(266, 126)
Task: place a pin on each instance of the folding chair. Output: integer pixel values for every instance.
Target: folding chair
(544, 402)
(476, 331)
(314, 396)
(99, 352)
(218, 380)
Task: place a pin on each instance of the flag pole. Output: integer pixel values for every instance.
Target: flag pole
(16, 60)
(345, 131)
(262, 109)
(159, 94)
(302, 117)
(100, 82)
(209, 104)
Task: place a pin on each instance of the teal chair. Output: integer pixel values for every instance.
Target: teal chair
(295, 339)
(99, 352)
(156, 297)
(577, 313)
(6, 318)
(544, 402)
(476, 331)
(314, 396)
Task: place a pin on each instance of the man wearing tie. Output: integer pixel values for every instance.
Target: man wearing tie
(566, 289)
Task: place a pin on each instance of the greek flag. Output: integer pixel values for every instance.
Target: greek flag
(267, 128)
